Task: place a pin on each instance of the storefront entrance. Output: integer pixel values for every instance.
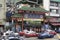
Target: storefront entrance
(34, 25)
(1, 28)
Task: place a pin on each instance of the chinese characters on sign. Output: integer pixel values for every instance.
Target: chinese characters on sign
(33, 16)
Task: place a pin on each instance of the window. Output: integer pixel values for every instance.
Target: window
(59, 4)
(33, 0)
(54, 10)
(53, 4)
(0, 5)
(40, 2)
(8, 5)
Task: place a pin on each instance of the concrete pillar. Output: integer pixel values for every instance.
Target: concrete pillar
(46, 4)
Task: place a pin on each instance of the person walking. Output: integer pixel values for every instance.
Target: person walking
(1, 35)
(46, 26)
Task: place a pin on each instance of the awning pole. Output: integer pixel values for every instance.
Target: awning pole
(22, 22)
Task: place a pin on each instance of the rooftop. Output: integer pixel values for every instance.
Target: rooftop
(33, 9)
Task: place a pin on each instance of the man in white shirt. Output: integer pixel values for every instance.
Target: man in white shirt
(25, 30)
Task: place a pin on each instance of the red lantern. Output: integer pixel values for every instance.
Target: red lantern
(13, 18)
(20, 11)
(27, 11)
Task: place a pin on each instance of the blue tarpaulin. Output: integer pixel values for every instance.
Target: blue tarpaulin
(8, 14)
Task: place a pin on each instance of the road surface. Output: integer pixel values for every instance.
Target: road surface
(56, 37)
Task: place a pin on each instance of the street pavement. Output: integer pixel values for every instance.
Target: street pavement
(33, 38)
(56, 37)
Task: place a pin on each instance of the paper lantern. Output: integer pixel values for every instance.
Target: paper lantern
(20, 11)
(13, 18)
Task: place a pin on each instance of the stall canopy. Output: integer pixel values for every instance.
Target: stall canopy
(16, 15)
(56, 24)
(33, 9)
(9, 14)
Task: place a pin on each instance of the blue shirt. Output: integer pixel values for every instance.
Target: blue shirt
(46, 26)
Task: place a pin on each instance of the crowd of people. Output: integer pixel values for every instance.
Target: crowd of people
(44, 26)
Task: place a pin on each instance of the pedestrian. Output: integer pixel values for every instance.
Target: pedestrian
(1, 35)
(18, 28)
(46, 26)
(25, 30)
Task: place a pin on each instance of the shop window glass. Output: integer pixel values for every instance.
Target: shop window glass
(54, 10)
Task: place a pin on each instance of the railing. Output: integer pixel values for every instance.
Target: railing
(54, 14)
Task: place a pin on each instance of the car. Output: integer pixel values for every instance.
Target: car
(9, 34)
(58, 31)
(31, 34)
(12, 36)
(14, 39)
(21, 33)
(45, 35)
(51, 32)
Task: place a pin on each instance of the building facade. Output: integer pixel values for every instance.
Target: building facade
(29, 14)
(53, 6)
(2, 11)
(2, 14)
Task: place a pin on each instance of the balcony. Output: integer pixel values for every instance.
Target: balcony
(54, 14)
(54, 7)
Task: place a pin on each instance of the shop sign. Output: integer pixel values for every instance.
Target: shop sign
(33, 16)
(33, 19)
(54, 19)
(20, 11)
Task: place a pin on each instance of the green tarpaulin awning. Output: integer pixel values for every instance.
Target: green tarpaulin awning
(16, 15)
(33, 9)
